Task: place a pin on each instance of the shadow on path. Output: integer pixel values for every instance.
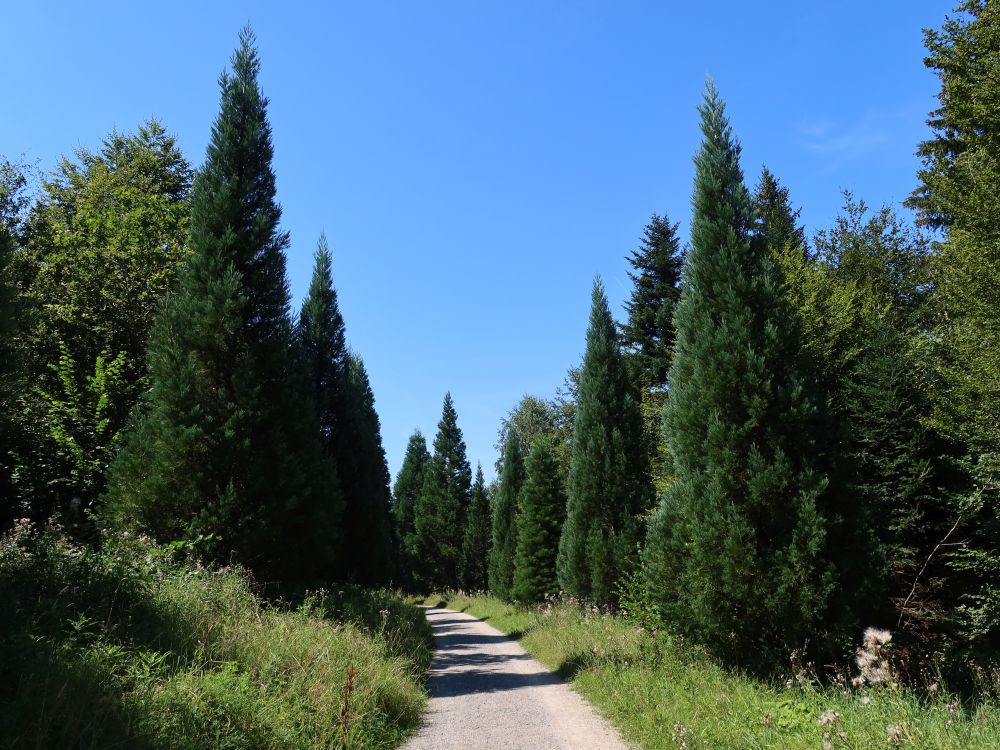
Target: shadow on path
(467, 662)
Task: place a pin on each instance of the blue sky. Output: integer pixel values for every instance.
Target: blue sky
(475, 164)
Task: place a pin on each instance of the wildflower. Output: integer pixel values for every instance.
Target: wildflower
(866, 700)
(873, 659)
(680, 735)
(829, 717)
(895, 733)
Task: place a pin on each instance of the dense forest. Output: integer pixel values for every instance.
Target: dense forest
(787, 440)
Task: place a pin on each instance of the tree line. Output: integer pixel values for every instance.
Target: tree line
(155, 377)
(789, 438)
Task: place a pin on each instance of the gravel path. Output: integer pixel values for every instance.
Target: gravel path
(487, 693)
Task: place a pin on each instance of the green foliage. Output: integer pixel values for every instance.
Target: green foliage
(609, 488)
(656, 275)
(741, 553)
(348, 427)
(63, 467)
(533, 418)
(649, 334)
(228, 442)
(777, 224)
(364, 476)
(322, 336)
(100, 252)
(873, 273)
(504, 518)
(539, 523)
(477, 541)
(405, 494)
(664, 694)
(129, 646)
(960, 194)
(439, 516)
(12, 205)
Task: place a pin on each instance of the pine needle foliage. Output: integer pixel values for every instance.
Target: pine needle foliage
(439, 518)
(738, 552)
(478, 537)
(504, 521)
(405, 494)
(539, 524)
(364, 477)
(648, 334)
(609, 486)
(227, 447)
(959, 194)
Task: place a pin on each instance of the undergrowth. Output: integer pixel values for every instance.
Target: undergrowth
(664, 693)
(130, 647)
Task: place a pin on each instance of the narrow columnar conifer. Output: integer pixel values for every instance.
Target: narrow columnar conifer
(609, 485)
(476, 545)
(504, 518)
(539, 523)
(227, 446)
(440, 512)
(364, 477)
(405, 493)
(738, 554)
(323, 339)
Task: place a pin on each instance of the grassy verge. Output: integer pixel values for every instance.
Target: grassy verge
(662, 693)
(126, 648)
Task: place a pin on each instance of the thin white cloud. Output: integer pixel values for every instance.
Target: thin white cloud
(837, 145)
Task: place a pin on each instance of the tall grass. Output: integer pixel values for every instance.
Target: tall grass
(124, 647)
(663, 693)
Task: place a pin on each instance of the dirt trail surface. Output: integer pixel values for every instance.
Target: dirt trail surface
(487, 693)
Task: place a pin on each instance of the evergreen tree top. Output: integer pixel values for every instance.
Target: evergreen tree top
(721, 204)
(234, 215)
(321, 326)
(777, 222)
(513, 458)
(479, 485)
(648, 334)
(449, 451)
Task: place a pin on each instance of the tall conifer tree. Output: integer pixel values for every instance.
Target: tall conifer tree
(228, 444)
(349, 428)
(738, 554)
(609, 487)
(476, 545)
(777, 224)
(648, 334)
(656, 275)
(323, 340)
(405, 493)
(539, 523)
(960, 195)
(364, 477)
(11, 385)
(504, 520)
(440, 513)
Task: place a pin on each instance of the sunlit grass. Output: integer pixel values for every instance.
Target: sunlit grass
(662, 693)
(123, 648)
